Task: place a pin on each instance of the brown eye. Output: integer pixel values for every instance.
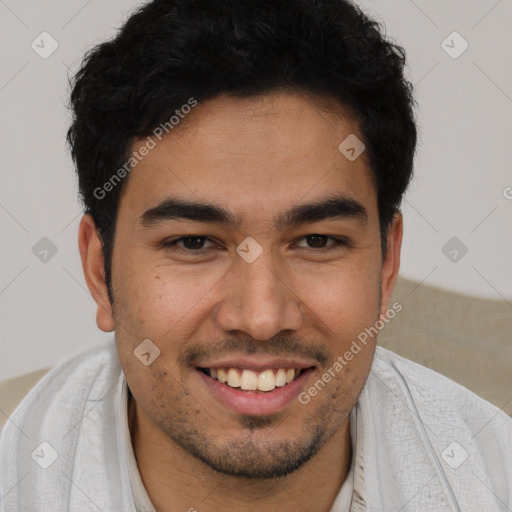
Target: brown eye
(317, 241)
(192, 243)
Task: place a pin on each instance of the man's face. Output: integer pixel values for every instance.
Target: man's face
(298, 304)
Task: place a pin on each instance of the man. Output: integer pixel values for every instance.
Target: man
(242, 166)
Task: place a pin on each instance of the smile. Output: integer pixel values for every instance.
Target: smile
(254, 391)
(249, 380)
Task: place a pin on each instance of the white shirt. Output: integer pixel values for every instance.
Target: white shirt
(420, 443)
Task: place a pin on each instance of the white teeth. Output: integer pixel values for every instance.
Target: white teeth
(249, 380)
(266, 381)
(233, 378)
(280, 378)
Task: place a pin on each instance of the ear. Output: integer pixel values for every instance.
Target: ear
(91, 253)
(391, 263)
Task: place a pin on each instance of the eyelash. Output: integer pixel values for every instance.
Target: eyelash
(173, 244)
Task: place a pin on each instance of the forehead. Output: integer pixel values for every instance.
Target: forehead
(258, 154)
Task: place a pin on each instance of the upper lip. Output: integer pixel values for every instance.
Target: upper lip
(257, 364)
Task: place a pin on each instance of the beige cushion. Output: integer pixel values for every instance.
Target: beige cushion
(468, 339)
(465, 338)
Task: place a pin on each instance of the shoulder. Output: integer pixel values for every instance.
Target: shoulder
(430, 390)
(64, 389)
(423, 382)
(66, 425)
(446, 410)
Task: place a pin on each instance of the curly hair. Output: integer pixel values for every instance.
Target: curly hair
(171, 50)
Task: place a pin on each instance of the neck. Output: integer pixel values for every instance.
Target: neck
(175, 480)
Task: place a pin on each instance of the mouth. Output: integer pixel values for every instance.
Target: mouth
(255, 392)
(249, 380)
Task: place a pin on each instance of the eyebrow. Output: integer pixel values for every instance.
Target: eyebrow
(330, 208)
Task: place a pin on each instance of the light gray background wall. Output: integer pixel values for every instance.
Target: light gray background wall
(462, 187)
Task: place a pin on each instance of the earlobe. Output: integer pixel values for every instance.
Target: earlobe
(91, 254)
(391, 264)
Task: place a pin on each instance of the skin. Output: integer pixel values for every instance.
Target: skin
(257, 157)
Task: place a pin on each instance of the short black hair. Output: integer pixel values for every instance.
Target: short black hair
(170, 51)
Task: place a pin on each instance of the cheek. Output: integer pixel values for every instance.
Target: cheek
(346, 300)
(158, 298)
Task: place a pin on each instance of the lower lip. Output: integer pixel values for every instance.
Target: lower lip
(248, 402)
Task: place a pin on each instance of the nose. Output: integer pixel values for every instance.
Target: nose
(259, 299)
